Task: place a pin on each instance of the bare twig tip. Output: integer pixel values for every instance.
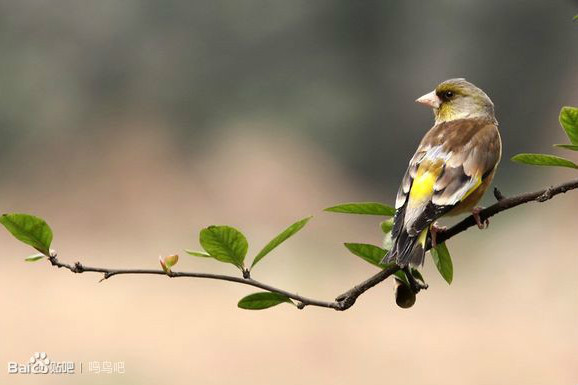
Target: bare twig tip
(498, 194)
(78, 268)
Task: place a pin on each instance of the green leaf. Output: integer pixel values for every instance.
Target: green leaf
(263, 300)
(29, 229)
(400, 274)
(168, 261)
(201, 254)
(575, 18)
(370, 253)
(417, 274)
(35, 257)
(543, 160)
(386, 226)
(569, 121)
(225, 244)
(374, 255)
(443, 261)
(367, 208)
(573, 147)
(282, 237)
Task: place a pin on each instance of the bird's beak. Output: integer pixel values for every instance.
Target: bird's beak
(431, 100)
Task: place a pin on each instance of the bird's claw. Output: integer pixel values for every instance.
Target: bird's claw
(481, 224)
(434, 231)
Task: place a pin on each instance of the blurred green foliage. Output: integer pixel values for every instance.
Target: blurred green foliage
(569, 122)
(343, 74)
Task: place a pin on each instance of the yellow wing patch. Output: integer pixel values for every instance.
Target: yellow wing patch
(423, 237)
(473, 188)
(422, 187)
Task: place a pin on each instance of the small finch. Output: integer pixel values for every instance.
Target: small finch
(452, 168)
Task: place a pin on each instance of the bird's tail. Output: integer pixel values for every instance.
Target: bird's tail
(407, 249)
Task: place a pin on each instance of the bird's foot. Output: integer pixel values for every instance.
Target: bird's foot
(476, 214)
(434, 231)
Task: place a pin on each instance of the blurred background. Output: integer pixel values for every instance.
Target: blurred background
(130, 125)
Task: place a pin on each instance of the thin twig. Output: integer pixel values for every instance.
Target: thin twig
(108, 273)
(347, 299)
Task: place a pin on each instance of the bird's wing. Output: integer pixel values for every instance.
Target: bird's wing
(451, 162)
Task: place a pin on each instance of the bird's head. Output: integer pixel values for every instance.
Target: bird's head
(458, 99)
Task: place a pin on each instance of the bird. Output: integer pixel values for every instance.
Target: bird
(450, 171)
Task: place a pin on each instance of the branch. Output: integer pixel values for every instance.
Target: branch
(504, 204)
(80, 268)
(347, 299)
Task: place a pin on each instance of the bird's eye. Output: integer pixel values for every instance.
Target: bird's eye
(448, 94)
